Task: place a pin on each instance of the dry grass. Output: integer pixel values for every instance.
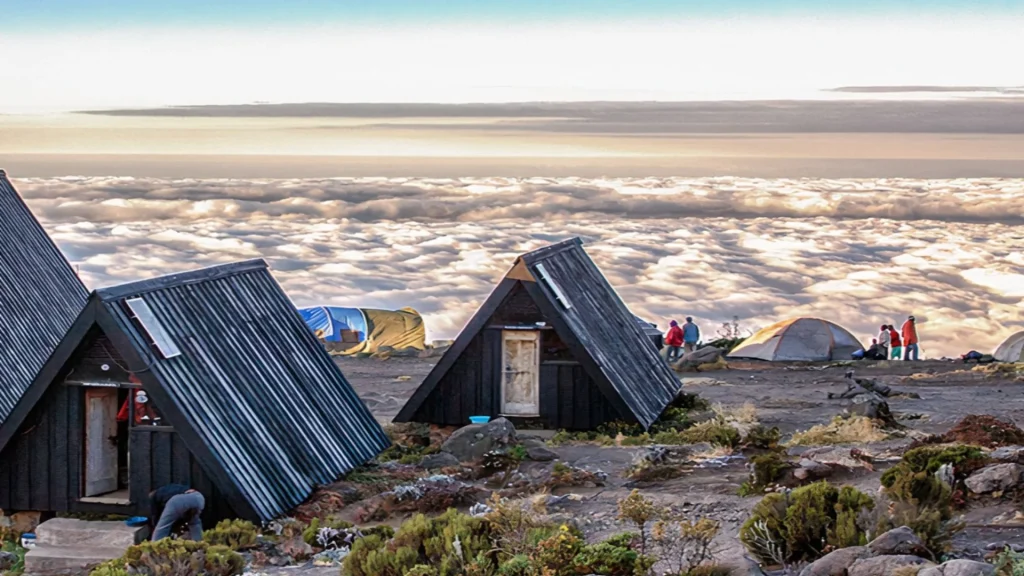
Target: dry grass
(1000, 370)
(907, 571)
(853, 430)
(746, 414)
(719, 364)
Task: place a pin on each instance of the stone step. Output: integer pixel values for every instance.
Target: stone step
(67, 560)
(72, 532)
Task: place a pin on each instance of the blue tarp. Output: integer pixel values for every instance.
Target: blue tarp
(332, 320)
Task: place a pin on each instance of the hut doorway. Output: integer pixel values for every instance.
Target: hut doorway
(105, 442)
(520, 382)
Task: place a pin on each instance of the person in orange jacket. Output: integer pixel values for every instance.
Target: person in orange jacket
(674, 342)
(910, 342)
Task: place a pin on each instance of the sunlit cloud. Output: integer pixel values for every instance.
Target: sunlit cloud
(859, 252)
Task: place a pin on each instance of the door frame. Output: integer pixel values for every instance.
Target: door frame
(521, 336)
(87, 392)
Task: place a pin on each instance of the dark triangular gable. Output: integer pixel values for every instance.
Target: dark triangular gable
(254, 396)
(589, 352)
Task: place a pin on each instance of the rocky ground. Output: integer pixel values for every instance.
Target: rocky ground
(929, 398)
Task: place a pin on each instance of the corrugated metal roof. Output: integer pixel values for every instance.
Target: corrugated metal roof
(40, 296)
(260, 392)
(605, 328)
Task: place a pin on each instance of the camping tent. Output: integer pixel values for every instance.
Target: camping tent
(358, 330)
(1012, 349)
(799, 339)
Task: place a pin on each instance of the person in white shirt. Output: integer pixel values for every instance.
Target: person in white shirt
(884, 341)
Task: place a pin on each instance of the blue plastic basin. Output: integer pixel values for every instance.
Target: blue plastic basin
(137, 521)
(479, 419)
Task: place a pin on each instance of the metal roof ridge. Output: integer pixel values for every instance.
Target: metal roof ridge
(181, 278)
(547, 251)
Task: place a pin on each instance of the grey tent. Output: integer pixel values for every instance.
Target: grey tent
(1012, 349)
(799, 339)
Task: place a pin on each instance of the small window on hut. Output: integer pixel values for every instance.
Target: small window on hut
(553, 349)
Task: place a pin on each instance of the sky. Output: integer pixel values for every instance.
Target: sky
(88, 54)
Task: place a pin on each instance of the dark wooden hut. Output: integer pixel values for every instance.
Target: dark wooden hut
(552, 346)
(219, 385)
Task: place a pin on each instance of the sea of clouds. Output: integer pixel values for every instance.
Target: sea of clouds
(859, 252)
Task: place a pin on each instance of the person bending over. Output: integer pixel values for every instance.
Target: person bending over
(175, 504)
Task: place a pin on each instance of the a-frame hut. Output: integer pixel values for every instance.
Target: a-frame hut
(207, 378)
(552, 346)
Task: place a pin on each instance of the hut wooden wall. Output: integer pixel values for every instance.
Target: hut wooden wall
(41, 468)
(569, 398)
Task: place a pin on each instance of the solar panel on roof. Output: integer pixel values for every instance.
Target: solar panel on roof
(553, 286)
(149, 322)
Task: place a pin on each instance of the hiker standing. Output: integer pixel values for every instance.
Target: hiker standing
(674, 341)
(173, 504)
(884, 341)
(910, 343)
(895, 343)
(691, 335)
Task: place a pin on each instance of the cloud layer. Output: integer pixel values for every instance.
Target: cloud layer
(856, 251)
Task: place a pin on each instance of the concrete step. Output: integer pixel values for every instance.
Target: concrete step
(67, 560)
(72, 532)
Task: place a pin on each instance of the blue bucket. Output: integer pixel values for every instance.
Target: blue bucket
(479, 419)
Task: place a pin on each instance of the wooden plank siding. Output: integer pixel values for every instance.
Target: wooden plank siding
(40, 469)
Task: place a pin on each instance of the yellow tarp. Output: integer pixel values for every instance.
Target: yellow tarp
(397, 329)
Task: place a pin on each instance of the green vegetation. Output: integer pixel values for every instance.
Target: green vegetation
(12, 545)
(169, 557)
(766, 469)
(800, 526)
(234, 534)
(310, 533)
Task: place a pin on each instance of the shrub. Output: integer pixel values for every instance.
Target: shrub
(555, 555)
(639, 511)
(518, 565)
(1009, 563)
(685, 545)
(14, 547)
(175, 558)
(762, 437)
(801, 525)
(713, 432)
(515, 528)
(312, 534)
(370, 556)
(235, 534)
(765, 470)
(421, 570)
(606, 559)
(709, 570)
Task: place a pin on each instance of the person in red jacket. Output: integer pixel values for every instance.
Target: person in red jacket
(895, 343)
(674, 342)
(910, 342)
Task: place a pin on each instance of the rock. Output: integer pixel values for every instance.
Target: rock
(960, 568)
(439, 460)
(540, 454)
(7, 561)
(1008, 454)
(996, 478)
(871, 405)
(706, 355)
(885, 565)
(837, 562)
(810, 469)
(470, 443)
(898, 541)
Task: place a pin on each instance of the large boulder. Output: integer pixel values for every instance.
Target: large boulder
(470, 443)
(7, 561)
(898, 541)
(996, 478)
(960, 568)
(872, 406)
(837, 562)
(885, 565)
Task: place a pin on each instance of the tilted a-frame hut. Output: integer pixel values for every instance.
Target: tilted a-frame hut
(553, 345)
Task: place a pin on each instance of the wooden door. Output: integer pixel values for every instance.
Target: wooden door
(100, 441)
(520, 382)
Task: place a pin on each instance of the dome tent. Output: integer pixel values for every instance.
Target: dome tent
(799, 340)
(365, 330)
(1012, 349)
